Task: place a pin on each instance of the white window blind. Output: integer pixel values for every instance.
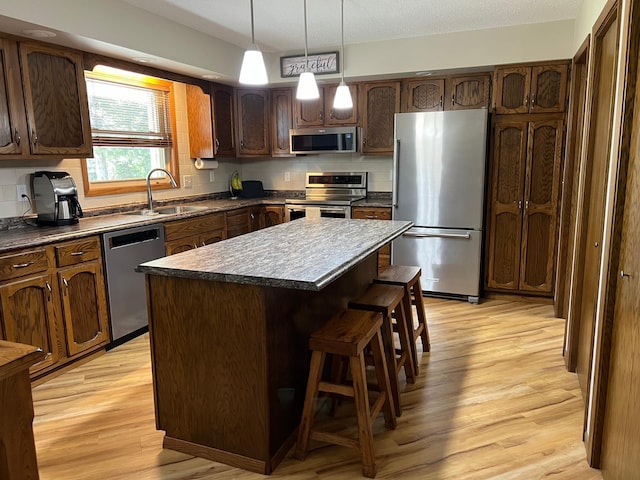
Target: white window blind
(129, 115)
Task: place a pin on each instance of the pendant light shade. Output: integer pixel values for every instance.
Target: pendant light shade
(253, 70)
(342, 99)
(307, 87)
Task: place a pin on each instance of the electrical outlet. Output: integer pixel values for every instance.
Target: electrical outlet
(20, 191)
(212, 176)
(287, 176)
(187, 182)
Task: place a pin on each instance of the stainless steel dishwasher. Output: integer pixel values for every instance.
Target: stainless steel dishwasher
(124, 250)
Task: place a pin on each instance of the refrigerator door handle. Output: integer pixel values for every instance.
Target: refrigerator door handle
(464, 236)
(396, 173)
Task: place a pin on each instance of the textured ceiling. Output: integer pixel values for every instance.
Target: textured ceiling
(279, 23)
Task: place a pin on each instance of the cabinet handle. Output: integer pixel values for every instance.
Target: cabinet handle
(217, 147)
(441, 101)
(526, 100)
(242, 144)
(202, 244)
(77, 254)
(34, 136)
(371, 216)
(22, 265)
(252, 216)
(17, 137)
(519, 204)
(49, 289)
(195, 245)
(364, 141)
(331, 113)
(533, 99)
(66, 286)
(526, 205)
(624, 274)
(321, 115)
(453, 99)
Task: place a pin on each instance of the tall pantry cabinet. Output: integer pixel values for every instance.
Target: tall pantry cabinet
(524, 174)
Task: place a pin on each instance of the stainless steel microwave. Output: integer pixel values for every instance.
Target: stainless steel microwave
(323, 140)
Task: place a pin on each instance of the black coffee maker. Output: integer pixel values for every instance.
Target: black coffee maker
(56, 198)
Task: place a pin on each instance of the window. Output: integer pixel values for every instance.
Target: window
(133, 131)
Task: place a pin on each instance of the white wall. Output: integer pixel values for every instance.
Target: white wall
(587, 16)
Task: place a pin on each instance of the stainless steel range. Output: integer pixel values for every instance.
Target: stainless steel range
(328, 194)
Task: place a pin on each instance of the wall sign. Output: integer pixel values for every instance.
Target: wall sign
(319, 63)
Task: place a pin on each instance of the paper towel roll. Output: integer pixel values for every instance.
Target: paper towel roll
(201, 164)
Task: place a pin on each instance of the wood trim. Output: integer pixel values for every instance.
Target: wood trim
(571, 177)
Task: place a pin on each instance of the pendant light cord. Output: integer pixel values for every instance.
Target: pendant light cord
(306, 52)
(253, 40)
(342, 41)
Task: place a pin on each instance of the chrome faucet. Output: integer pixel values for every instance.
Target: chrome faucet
(171, 179)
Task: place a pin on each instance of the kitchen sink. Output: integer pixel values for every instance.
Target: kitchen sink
(168, 210)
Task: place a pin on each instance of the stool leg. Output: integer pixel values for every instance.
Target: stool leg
(390, 353)
(406, 303)
(422, 317)
(304, 430)
(365, 434)
(405, 344)
(382, 374)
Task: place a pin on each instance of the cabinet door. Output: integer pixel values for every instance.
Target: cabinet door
(273, 215)
(237, 222)
(55, 97)
(13, 128)
(253, 122)
(84, 307)
(548, 88)
(511, 89)
(340, 116)
(182, 244)
(309, 113)
(200, 123)
(212, 236)
(281, 121)
(379, 102)
(468, 92)
(223, 120)
(508, 159)
(540, 206)
(255, 218)
(28, 316)
(424, 95)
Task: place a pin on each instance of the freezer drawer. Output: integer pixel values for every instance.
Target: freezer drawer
(449, 259)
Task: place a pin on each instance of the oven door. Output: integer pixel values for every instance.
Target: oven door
(293, 212)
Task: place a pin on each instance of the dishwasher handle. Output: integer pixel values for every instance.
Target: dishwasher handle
(132, 238)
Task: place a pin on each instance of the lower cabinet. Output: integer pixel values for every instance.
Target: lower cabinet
(54, 298)
(190, 233)
(376, 213)
(238, 222)
(272, 215)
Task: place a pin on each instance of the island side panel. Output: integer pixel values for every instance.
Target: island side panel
(209, 364)
(292, 315)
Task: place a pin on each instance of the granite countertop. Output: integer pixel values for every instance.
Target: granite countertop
(305, 254)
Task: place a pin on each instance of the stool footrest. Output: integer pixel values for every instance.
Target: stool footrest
(344, 390)
(328, 437)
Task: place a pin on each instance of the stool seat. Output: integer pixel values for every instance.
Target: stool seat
(408, 276)
(387, 299)
(346, 335)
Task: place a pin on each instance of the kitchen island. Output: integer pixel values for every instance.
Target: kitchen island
(229, 325)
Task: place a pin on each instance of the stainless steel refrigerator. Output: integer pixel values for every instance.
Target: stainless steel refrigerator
(439, 184)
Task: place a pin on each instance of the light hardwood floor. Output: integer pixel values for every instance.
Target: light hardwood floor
(492, 401)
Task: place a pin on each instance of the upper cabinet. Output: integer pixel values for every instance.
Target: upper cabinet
(379, 102)
(468, 92)
(423, 95)
(201, 141)
(320, 112)
(43, 102)
(252, 108)
(281, 121)
(531, 89)
(223, 120)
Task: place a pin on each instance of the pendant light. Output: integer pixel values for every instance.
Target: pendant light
(253, 71)
(342, 99)
(307, 87)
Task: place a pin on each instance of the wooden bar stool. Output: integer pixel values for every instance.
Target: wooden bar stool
(346, 335)
(387, 299)
(409, 278)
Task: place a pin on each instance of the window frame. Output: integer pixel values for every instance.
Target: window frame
(138, 185)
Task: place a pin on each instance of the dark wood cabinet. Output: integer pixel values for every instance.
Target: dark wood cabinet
(281, 121)
(468, 92)
(256, 214)
(190, 233)
(376, 213)
(379, 102)
(340, 116)
(252, 108)
(273, 215)
(43, 102)
(525, 180)
(530, 89)
(82, 293)
(423, 95)
(55, 99)
(309, 113)
(238, 222)
(223, 120)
